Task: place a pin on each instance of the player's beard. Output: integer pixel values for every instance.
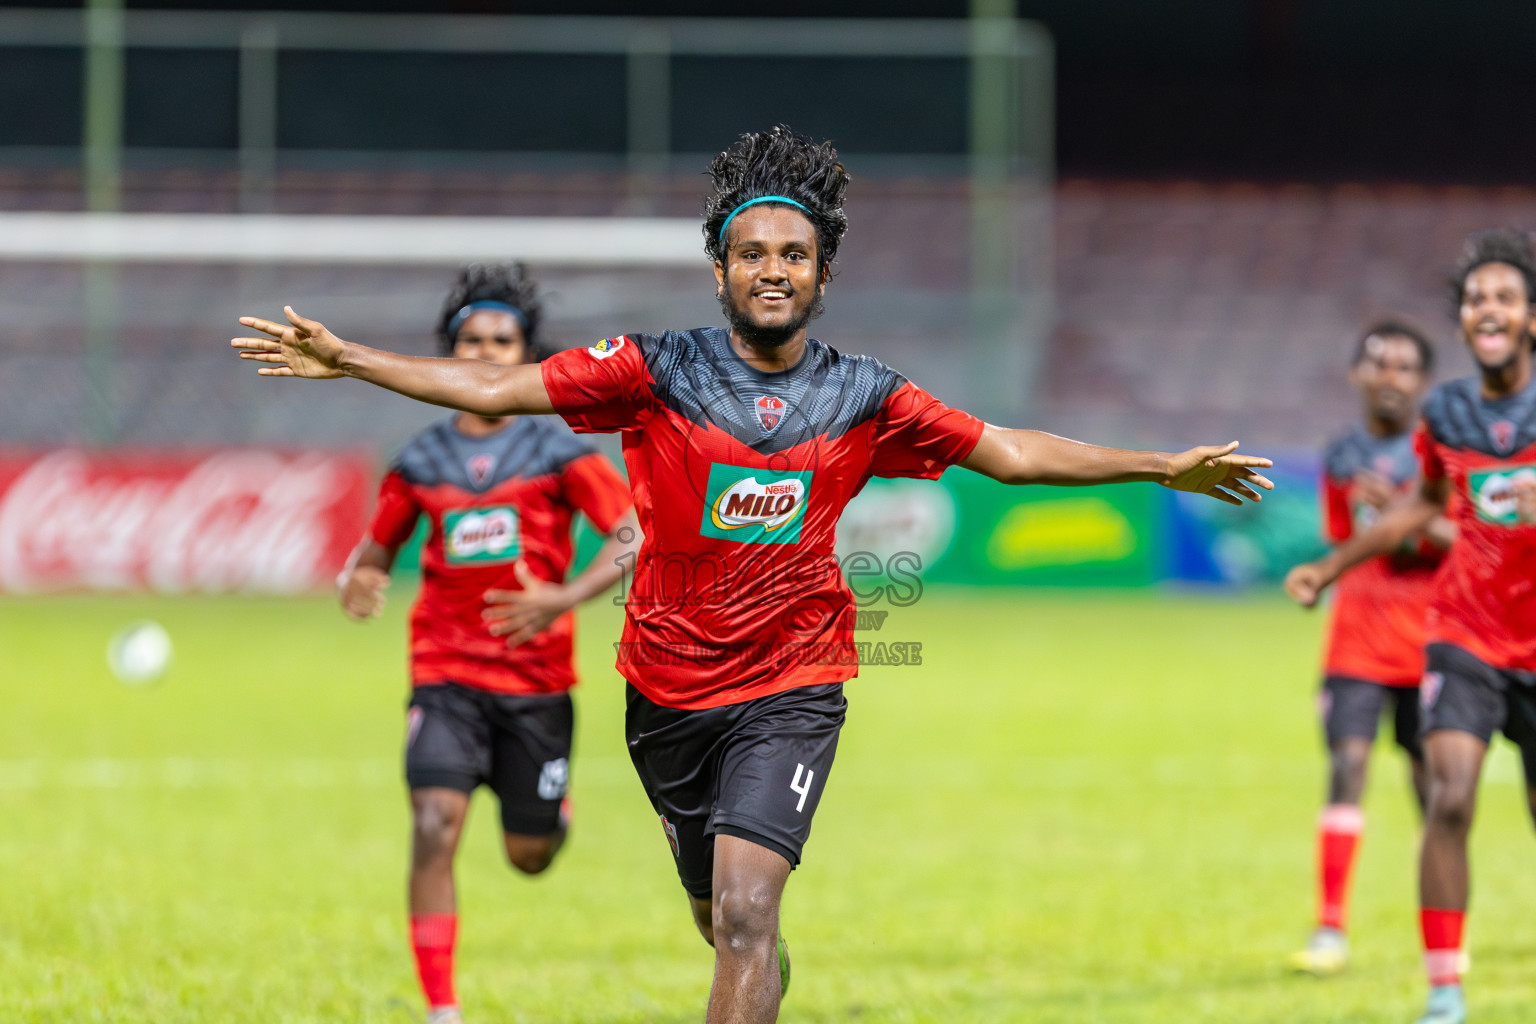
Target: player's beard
(766, 337)
(1391, 405)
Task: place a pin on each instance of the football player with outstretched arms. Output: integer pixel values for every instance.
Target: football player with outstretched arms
(1477, 452)
(744, 443)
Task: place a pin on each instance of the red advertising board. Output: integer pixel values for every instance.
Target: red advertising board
(173, 521)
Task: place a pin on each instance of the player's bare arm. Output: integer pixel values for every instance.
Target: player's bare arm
(362, 583)
(1035, 457)
(519, 615)
(306, 348)
(1414, 514)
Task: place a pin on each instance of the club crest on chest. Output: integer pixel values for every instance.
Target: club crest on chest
(1502, 434)
(770, 411)
(480, 468)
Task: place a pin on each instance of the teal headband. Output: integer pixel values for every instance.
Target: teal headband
(465, 312)
(754, 202)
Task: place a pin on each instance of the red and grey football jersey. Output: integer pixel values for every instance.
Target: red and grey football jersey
(739, 477)
(491, 502)
(1377, 633)
(1485, 596)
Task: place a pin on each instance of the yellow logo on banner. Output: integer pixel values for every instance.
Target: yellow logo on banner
(1069, 531)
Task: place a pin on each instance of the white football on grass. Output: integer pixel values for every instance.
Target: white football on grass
(140, 653)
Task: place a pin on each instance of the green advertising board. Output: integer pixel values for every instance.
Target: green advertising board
(966, 528)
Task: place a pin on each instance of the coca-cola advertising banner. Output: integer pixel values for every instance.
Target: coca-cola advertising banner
(246, 520)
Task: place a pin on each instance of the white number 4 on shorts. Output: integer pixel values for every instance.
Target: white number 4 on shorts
(804, 790)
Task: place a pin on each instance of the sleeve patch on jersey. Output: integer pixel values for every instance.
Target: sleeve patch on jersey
(605, 348)
(482, 536)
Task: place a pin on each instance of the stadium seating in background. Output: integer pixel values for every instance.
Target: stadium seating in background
(1184, 312)
(1190, 312)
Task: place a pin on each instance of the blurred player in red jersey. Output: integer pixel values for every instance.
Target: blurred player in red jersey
(1477, 450)
(492, 627)
(744, 444)
(1375, 653)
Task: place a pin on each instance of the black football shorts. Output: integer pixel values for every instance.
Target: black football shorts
(1465, 693)
(459, 737)
(1353, 707)
(754, 770)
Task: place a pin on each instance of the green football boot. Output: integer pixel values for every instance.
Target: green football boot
(1446, 1006)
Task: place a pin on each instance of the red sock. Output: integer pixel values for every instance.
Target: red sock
(432, 938)
(1442, 944)
(1338, 836)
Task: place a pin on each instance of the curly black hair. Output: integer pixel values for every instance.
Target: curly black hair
(1495, 245)
(493, 282)
(1391, 328)
(779, 162)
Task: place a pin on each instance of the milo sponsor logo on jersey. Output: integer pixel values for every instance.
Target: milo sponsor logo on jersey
(482, 536)
(755, 506)
(1495, 493)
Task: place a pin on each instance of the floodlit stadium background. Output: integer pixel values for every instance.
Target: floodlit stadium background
(1149, 224)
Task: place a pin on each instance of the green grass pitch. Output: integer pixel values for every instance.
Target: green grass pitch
(1082, 807)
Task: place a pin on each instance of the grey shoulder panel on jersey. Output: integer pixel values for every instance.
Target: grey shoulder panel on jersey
(1458, 416)
(1448, 413)
(700, 378)
(529, 447)
(553, 446)
(1358, 450)
(1341, 458)
(423, 461)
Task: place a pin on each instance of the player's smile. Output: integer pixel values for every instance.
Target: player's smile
(776, 307)
(771, 302)
(1491, 342)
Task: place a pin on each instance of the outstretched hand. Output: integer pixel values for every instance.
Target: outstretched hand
(1215, 470)
(520, 615)
(299, 348)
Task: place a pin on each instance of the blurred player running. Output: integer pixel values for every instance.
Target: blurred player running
(491, 630)
(744, 444)
(1477, 449)
(1375, 653)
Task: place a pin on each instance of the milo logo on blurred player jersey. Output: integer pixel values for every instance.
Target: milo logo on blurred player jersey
(1495, 492)
(481, 536)
(755, 506)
